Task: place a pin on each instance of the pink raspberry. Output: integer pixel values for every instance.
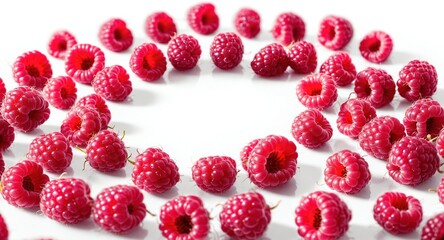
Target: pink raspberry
(433, 228)
(7, 134)
(270, 61)
(113, 83)
(317, 91)
(226, 50)
(60, 92)
(183, 52)
(83, 62)
(247, 22)
(148, 62)
(245, 216)
(335, 32)
(160, 27)
(214, 174)
(60, 43)
(440, 191)
(424, 118)
(80, 125)
(397, 213)
(322, 215)
(288, 28)
(106, 152)
(2, 164)
(340, 67)
(2, 91)
(99, 104)
(66, 200)
(203, 18)
(439, 143)
(376, 46)
(375, 86)
(418, 79)
(311, 129)
(353, 115)
(32, 69)
(246, 152)
(115, 35)
(302, 57)
(4, 233)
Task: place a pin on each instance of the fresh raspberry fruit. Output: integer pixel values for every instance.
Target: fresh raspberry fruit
(52, 151)
(214, 174)
(7, 134)
(113, 83)
(246, 152)
(397, 213)
(302, 57)
(226, 50)
(311, 129)
(99, 104)
(270, 61)
(119, 208)
(80, 124)
(184, 217)
(375, 86)
(434, 228)
(60, 92)
(83, 62)
(154, 171)
(66, 200)
(424, 118)
(32, 69)
(25, 109)
(148, 62)
(115, 35)
(247, 22)
(317, 91)
(4, 233)
(353, 115)
(160, 27)
(2, 164)
(418, 79)
(2, 91)
(340, 67)
(22, 184)
(59, 44)
(439, 143)
(376, 46)
(203, 18)
(335, 32)
(440, 191)
(288, 28)
(184, 52)
(322, 215)
(106, 152)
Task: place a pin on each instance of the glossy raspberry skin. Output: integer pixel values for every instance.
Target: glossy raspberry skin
(4, 233)
(115, 35)
(32, 69)
(375, 86)
(160, 27)
(247, 22)
(184, 52)
(317, 91)
(60, 42)
(83, 62)
(376, 46)
(106, 152)
(113, 83)
(203, 18)
(80, 124)
(439, 143)
(417, 79)
(226, 50)
(335, 32)
(148, 62)
(434, 228)
(2, 164)
(60, 92)
(424, 118)
(302, 57)
(340, 67)
(353, 115)
(99, 104)
(7, 134)
(311, 129)
(288, 28)
(246, 152)
(270, 61)
(214, 174)
(2, 91)
(440, 191)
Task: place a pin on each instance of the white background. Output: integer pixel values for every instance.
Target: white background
(207, 111)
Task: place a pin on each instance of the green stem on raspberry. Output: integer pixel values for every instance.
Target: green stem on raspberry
(80, 149)
(123, 135)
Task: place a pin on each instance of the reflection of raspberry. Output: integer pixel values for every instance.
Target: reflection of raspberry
(203, 18)
(59, 43)
(353, 115)
(160, 27)
(376, 46)
(288, 28)
(424, 118)
(247, 22)
(184, 52)
(215, 173)
(226, 50)
(80, 125)
(311, 129)
(99, 104)
(148, 62)
(106, 152)
(60, 92)
(83, 62)
(418, 79)
(112, 83)
(434, 228)
(270, 61)
(375, 86)
(302, 57)
(115, 35)
(317, 91)
(335, 32)
(340, 67)
(32, 69)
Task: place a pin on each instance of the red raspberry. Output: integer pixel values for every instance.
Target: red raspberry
(270, 61)
(311, 129)
(32, 69)
(317, 91)
(288, 28)
(2, 91)
(340, 67)
(112, 83)
(322, 215)
(66, 200)
(7, 134)
(375, 86)
(99, 104)
(52, 151)
(2, 164)
(115, 35)
(4, 233)
(106, 152)
(83, 62)
(25, 109)
(226, 50)
(214, 174)
(302, 57)
(376, 46)
(247, 22)
(353, 115)
(397, 213)
(60, 92)
(154, 171)
(246, 152)
(59, 44)
(184, 52)
(80, 124)
(148, 62)
(22, 184)
(418, 79)
(184, 217)
(119, 208)
(160, 27)
(424, 118)
(203, 18)
(434, 228)
(335, 32)
(440, 191)
(439, 143)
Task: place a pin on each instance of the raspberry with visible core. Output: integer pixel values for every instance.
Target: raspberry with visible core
(83, 62)
(60, 43)
(99, 104)
(203, 18)
(311, 129)
(317, 91)
(226, 50)
(60, 92)
(424, 118)
(160, 27)
(335, 32)
(353, 115)
(376, 46)
(106, 152)
(340, 67)
(80, 124)
(113, 83)
(247, 22)
(184, 52)
(375, 86)
(148, 62)
(214, 174)
(434, 228)
(288, 28)
(32, 69)
(302, 57)
(115, 35)
(418, 79)
(270, 61)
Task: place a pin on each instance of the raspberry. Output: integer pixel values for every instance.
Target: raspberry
(424, 118)
(376, 46)
(375, 86)
(66, 200)
(378, 136)
(246, 152)
(106, 152)
(226, 50)
(439, 143)
(80, 124)
(148, 62)
(340, 67)
(60, 92)
(22, 184)
(98, 103)
(440, 191)
(112, 83)
(184, 217)
(60, 43)
(52, 151)
(270, 61)
(317, 91)
(335, 32)
(353, 115)
(434, 228)
(115, 35)
(154, 171)
(288, 28)
(160, 27)
(203, 18)
(322, 215)
(7, 134)
(2, 91)
(247, 22)
(311, 129)
(184, 52)
(302, 57)
(418, 79)
(397, 213)
(32, 69)
(83, 62)
(214, 174)
(119, 208)
(4, 233)
(25, 109)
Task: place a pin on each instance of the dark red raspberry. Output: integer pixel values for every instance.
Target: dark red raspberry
(113, 83)
(154, 171)
(22, 184)
(60, 92)
(226, 50)
(66, 200)
(270, 61)
(7, 134)
(83, 62)
(440, 191)
(80, 124)
(397, 213)
(340, 67)
(99, 104)
(302, 57)
(148, 62)
(375, 86)
(2, 164)
(119, 208)
(106, 152)
(353, 115)
(317, 91)
(288, 28)
(59, 44)
(184, 52)
(246, 152)
(160, 27)
(32, 69)
(25, 109)
(335, 32)
(433, 228)
(184, 217)
(424, 118)
(418, 79)
(52, 151)
(322, 215)
(214, 174)
(311, 129)
(247, 22)
(115, 35)
(203, 18)
(439, 143)
(4, 233)
(2, 91)
(376, 46)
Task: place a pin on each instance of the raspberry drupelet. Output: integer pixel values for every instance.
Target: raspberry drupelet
(317, 91)
(375, 86)
(311, 129)
(203, 18)
(353, 115)
(226, 50)
(32, 69)
(424, 118)
(335, 32)
(60, 92)
(184, 52)
(288, 28)
(434, 228)
(376, 46)
(99, 104)
(214, 174)
(83, 61)
(247, 22)
(340, 67)
(80, 124)
(160, 27)
(113, 83)
(60, 42)
(148, 62)
(417, 79)
(246, 152)
(270, 61)
(115, 35)
(7, 134)
(302, 57)
(106, 152)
